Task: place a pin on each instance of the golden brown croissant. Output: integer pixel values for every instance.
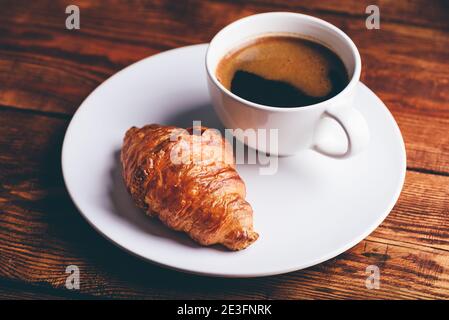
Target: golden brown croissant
(189, 182)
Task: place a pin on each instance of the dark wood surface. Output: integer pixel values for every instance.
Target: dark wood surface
(46, 71)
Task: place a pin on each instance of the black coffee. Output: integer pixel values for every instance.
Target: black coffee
(283, 71)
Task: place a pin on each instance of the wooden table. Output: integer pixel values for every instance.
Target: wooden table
(46, 71)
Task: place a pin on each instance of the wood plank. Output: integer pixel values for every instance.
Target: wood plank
(405, 273)
(418, 12)
(12, 294)
(41, 233)
(427, 142)
(15, 290)
(114, 36)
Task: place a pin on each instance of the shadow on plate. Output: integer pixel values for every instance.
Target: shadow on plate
(204, 113)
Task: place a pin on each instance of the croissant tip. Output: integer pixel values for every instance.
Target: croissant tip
(242, 240)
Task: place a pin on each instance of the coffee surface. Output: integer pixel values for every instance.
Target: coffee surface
(283, 71)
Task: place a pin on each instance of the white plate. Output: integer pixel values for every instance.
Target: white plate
(313, 209)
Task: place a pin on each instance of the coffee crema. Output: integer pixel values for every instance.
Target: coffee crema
(283, 71)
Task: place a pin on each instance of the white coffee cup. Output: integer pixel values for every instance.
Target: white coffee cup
(298, 126)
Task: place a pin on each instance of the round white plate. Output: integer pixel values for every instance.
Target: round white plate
(311, 210)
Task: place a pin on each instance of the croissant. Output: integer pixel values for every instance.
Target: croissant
(189, 182)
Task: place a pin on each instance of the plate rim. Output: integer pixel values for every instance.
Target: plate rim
(255, 274)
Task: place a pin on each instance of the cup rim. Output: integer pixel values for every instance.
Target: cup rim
(349, 87)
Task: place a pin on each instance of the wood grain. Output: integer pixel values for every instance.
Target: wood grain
(431, 13)
(41, 233)
(46, 71)
(80, 60)
(19, 290)
(25, 294)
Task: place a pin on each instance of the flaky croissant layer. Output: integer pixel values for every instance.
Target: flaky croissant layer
(189, 181)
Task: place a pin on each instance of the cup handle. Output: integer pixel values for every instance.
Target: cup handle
(355, 128)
